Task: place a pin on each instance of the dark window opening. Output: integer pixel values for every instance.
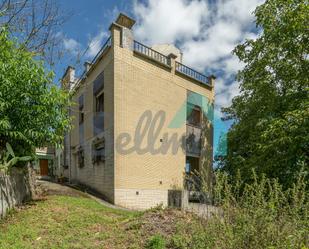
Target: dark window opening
(192, 164)
(81, 115)
(81, 109)
(192, 179)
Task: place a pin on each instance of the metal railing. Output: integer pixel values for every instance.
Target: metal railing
(107, 44)
(149, 52)
(191, 73)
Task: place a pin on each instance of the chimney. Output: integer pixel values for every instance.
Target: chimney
(125, 23)
(68, 78)
(87, 66)
(211, 80)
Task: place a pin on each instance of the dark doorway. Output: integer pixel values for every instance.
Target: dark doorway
(192, 164)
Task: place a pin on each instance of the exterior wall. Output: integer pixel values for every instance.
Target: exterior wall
(134, 84)
(140, 199)
(141, 85)
(99, 177)
(61, 164)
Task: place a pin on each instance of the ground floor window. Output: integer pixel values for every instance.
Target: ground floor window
(81, 158)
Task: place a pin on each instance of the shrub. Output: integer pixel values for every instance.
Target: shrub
(156, 242)
(252, 216)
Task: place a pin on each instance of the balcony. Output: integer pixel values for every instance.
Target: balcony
(193, 140)
(150, 53)
(189, 72)
(164, 60)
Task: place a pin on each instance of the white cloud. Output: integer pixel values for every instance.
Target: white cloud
(207, 32)
(95, 44)
(225, 92)
(168, 21)
(71, 45)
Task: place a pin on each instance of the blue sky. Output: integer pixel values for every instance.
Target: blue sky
(205, 30)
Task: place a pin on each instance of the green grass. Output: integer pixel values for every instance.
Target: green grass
(68, 222)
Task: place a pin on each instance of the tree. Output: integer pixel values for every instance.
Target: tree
(271, 129)
(36, 24)
(32, 109)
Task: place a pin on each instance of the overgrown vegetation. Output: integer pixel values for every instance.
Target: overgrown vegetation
(260, 215)
(271, 114)
(156, 242)
(32, 108)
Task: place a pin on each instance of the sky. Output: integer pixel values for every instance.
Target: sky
(205, 30)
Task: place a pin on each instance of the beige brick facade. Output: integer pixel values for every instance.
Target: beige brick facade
(134, 84)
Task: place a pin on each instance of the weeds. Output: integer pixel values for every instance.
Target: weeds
(156, 242)
(254, 216)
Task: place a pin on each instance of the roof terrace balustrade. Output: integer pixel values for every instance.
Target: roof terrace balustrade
(180, 68)
(149, 52)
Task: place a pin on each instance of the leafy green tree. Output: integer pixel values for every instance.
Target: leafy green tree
(271, 128)
(32, 108)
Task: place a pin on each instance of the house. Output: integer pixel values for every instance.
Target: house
(44, 163)
(142, 120)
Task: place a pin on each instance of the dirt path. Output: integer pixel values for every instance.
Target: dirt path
(51, 188)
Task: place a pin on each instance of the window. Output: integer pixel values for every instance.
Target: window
(81, 109)
(98, 151)
(81, 115)
(81, 158)
(99, 105)
(98, 84)
(98, 119)
(194, 115)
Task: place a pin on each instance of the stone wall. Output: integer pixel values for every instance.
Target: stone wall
(180, 199)
(16, 187)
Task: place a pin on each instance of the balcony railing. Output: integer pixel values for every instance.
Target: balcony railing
(193, 140)
(149, 52)
(107, 44)
(192, 73)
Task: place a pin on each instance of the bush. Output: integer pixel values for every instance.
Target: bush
(156, 242)
(253, 216)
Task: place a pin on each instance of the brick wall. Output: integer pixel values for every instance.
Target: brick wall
(140, 85)
(140, 199)
(97, 176)
(133, 85)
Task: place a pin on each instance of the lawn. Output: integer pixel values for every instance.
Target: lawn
(66, 218)
(68, 222)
